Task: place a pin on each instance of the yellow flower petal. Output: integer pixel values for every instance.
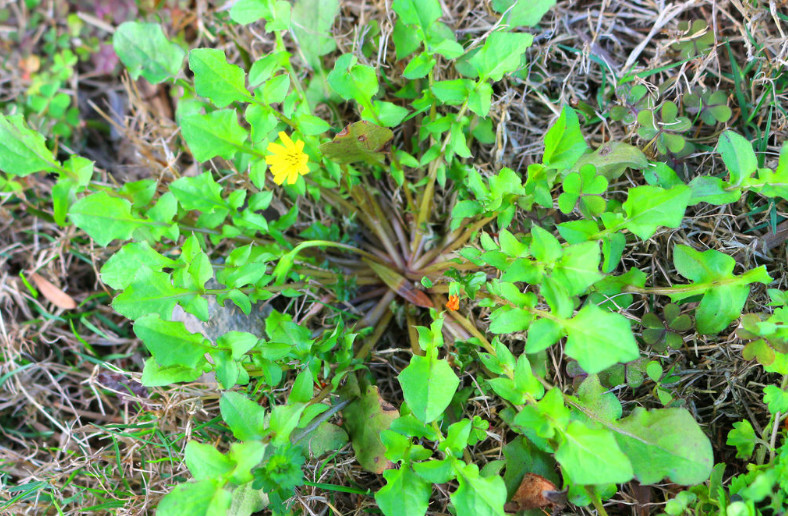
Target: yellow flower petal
(287, 160)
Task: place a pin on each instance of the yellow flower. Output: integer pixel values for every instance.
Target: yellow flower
(288, 160)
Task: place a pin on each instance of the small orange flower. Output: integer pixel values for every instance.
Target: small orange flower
(454, 303)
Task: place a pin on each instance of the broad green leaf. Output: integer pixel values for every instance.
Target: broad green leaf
(364, 419)
(776, 399)
(591, 456)
(405, 494)
(105, 218)
(216, 79)
(648, 207)
(738, 156)
(578, 267)
(428, 385)
(502, 53)
(359, 141)
(150, 292)
(525, 13)
(712, 274)
(478, 495)
(203, 498)
(508, 319)
(665, 443)
(312, 21)
(352, 80)
(170, 343)
(119, 271)
(214, 134)
(245, 12)
(144, 50)
(276, 13)
(245, 418)
(597, 339)
(22, 150)
(205, 461)
(743, 438)
(542, 334)
(419, 13)
(712, 190)
(154, 375)
(564, 142)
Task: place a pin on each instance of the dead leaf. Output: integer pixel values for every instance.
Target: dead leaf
(535, 492)
(53, 294)
(364, 419)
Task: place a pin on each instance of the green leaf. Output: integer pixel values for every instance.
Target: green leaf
(597, 339)
(648, 207)
(312, 21)
(591, 456)
(105, 218)
(119, 271)
(150, 292)
(542, 334)
(205, 461)
(203, 498)
(214, 134)
(564, 142)
(276, 13)
(578, 267)
(665, 443)
(712, 274)
(743, 438)
(216, 79)
(502, 53)
(170, 342)
(526, 13)
(477, 495)
(421, 13)
(738, 156)
(154, 375)
(776, 399)
(22, 150)
(245, 418)
(428, 385)
(352, 80)
(144, 50)
(712, 190)
(405, 494)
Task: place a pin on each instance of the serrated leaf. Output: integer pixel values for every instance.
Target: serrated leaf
(478, 495)
(245, 418)
(119, 271)
(502, 53)
(405, 494)
(598, 339)
(214, 134)
(22, 150)
(170, 343)
(144, 50)
(216, 79)
(648, 207)
(743, 438)
(105, 218)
